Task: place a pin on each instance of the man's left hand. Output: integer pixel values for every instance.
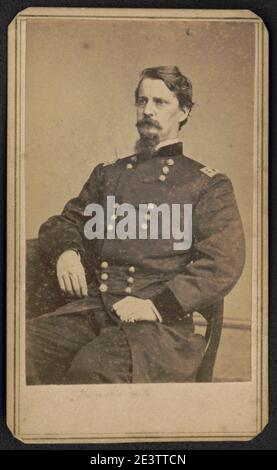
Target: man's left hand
(133, 309)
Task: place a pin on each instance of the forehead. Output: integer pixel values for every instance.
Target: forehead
(155, 88)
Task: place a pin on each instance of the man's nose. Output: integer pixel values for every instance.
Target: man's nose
(148, 109)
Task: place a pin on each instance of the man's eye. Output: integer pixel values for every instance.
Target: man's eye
(141, 101)
(160, 102)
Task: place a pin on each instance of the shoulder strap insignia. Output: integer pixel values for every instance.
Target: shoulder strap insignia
(209, 171)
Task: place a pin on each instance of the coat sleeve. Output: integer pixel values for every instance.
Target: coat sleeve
(66, 231)
(218, 254)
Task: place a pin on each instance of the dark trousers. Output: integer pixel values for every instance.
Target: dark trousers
(77, 348)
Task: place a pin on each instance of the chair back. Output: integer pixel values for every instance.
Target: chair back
(214, 318)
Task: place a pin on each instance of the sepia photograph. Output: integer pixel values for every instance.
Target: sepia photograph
(137, 216)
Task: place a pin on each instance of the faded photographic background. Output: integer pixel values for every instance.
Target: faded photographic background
(80, 82)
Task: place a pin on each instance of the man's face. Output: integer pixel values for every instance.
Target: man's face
(158, 111)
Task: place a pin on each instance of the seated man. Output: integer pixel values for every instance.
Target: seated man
(132, 322)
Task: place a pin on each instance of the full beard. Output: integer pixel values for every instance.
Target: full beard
(146, 145)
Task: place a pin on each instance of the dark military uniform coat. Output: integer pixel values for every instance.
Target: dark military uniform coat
(178, 282)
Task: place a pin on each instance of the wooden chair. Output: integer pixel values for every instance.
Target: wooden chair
(214, 318)
(43, 295)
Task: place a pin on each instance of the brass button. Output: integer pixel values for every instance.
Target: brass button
(130, 280)
(103, 287)
(132, 269)
(165, 170)
(104, 264)
(128, 290)
(170, 161)
(162, 178)
(104, 276)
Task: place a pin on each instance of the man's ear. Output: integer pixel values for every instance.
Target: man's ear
(184, 112)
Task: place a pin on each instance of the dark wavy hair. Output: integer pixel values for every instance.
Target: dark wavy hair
(175, 81)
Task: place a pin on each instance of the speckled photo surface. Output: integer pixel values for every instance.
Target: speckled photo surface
(157, 342)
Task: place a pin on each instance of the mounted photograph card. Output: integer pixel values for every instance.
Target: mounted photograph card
(137, 225)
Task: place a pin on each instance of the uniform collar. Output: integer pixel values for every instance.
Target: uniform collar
(165, 150)
(170, 150)
(163, 143)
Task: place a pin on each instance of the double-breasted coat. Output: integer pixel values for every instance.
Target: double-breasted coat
(178, 282)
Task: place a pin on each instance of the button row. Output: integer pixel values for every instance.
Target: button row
(165, 169)
(147, 216)
(105, 276)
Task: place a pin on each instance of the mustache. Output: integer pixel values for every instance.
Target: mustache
(149, 122)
